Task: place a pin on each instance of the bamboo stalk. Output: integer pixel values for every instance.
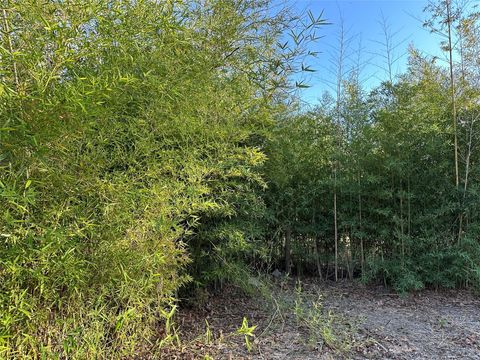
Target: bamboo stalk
(10, 46)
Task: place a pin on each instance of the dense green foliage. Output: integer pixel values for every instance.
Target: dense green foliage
(129, 132)
(149, 148)
(387, 155)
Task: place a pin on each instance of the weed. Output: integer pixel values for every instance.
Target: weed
(246, 331)
(323, 326)
(208, 333)
(171, 333)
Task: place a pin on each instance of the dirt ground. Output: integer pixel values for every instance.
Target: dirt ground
(425, 325)
(364, 323)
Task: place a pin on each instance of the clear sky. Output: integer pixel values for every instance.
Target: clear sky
(363, 22)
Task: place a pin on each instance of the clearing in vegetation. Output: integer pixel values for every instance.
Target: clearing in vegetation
(333, 321)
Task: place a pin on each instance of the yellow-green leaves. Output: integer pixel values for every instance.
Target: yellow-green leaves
(247, 332)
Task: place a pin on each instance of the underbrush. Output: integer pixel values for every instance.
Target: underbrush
(269, 307)
(115, 144)
(324, 327)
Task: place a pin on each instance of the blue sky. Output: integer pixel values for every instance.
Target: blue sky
(362, 20)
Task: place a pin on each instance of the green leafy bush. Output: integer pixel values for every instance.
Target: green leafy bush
(130, 131)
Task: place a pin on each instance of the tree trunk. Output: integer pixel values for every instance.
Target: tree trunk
(467, 173)
(402, 240)
(348, 256)
(452, 89)
(454, 105)
(288, 235)
(336, 227)
(409, 208)
(362, 255)
(317, 257)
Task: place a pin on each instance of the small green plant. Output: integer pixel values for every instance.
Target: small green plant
(171, 334)
(322, 326)
(247, 331)
(208, 333)
(299, 303)
(327, 331)
(442, 322)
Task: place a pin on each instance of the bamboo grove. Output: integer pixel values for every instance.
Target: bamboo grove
(152, 148)
(383, 184)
